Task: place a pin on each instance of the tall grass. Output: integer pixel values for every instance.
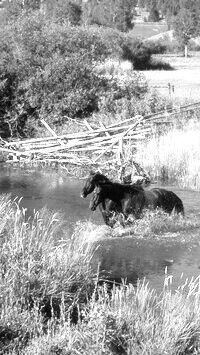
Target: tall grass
(39, 269)
(131, 321)
(174, 155)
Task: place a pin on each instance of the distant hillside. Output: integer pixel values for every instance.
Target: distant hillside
(170, 36)
(164, 35)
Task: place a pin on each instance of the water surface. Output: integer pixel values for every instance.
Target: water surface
(120, 257)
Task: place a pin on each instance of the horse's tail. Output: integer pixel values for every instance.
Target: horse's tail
(179, 207)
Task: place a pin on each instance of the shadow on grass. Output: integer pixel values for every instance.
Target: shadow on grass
(159, 65)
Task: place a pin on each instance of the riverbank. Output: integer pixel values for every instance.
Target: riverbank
(51, 300)
(164, 145)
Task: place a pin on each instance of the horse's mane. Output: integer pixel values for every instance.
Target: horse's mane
(137, 187)
(98, 176)
(127, 188)
(104, 180)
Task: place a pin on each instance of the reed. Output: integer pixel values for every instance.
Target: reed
(174, 155)
(40, 267)
(131, 320)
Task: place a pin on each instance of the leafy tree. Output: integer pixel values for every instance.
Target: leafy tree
(169, 8)
(14, 9)
(124, 15)
(63, 10)
(141, 3)
(111, 13)
(187, 25)
(154, 15)
(98, 12)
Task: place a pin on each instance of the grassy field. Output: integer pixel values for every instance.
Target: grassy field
(145, 30)
(184, 77)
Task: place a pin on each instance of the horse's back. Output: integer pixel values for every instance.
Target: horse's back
(167, 200)
(151, 198)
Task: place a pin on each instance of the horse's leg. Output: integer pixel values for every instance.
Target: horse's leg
(104, 214)
(138, 204)
(127, 209)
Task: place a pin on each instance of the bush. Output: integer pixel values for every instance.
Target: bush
(140, 53)
(51, 74)
(137, 53)
(71, 89)
(156, 47)
(166, 44)
(123, 84)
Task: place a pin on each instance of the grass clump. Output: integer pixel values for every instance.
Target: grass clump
(174, 155)
(131, 320)
(40, 272)
(160, 227)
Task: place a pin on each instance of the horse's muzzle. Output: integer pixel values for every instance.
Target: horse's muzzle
(92, 207)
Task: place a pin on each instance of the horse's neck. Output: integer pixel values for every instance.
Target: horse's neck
(106, 180)
(113, 194)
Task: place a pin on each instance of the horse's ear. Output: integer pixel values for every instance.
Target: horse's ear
(92, 172)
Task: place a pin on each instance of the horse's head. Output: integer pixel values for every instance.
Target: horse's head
(96, 198)
(88, 187)
(92, 181)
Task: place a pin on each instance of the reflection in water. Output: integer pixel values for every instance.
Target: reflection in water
(123, 258)
(47, 188)
(118, 257)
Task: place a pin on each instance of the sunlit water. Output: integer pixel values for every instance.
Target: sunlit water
(120, 257)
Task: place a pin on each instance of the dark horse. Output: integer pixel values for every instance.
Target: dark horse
(133, 199)
(107, 206)
(129, 199)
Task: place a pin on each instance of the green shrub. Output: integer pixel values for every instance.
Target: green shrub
(156, 47)
(137, 53)
(64, 87)
(50, 74)
(123, 84)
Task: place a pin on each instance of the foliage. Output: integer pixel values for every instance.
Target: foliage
(14, 9)
(146, 103)
(154, 15)
(171, 8)
(51, 74)
(54, 74)
(124, 16)
(186, 25)
(139, 53)
(40, 269)
(65, 10)
(117, 14)
(124, 84)
(156, 47)
(173, 155)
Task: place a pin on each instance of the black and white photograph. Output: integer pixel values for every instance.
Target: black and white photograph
(99, 177)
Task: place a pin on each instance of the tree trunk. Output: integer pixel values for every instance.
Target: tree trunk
(186, 51)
